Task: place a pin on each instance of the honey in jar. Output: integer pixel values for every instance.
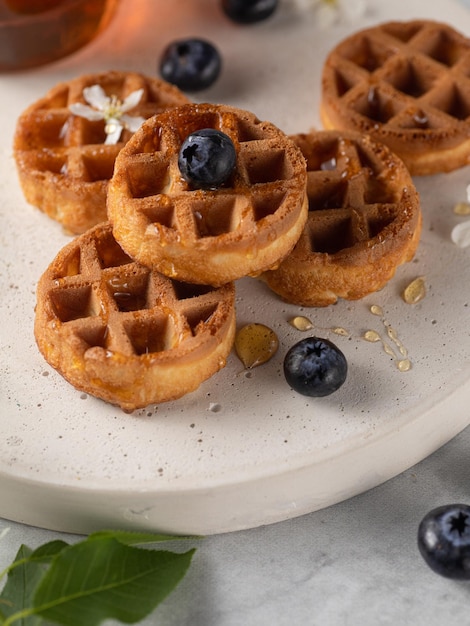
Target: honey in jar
(35, 32)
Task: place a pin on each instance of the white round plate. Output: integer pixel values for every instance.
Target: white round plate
(244, 450)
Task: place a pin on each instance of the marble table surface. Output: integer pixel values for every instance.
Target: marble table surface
(354, 563)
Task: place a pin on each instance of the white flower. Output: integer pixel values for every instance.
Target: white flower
(111, 110)
(330, 12)
(460, 234)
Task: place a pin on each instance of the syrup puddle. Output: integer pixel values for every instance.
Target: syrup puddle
(255, 344)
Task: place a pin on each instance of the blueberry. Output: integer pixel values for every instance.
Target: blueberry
(190, 64)
(315, 367)
(444, 540)
(207, 158)
(249, 11)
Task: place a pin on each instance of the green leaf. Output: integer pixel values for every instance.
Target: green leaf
(103, 578)
(43, 554)
(23, 578)
(24, 575)
(131, 538)
(47, 551)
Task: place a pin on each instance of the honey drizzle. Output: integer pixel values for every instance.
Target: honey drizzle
(391, 348)
(401, 360)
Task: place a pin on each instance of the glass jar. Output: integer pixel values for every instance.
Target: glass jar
(35, 32)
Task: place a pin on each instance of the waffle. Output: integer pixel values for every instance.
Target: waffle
(407, 84)
(124, 333)
(242, 228)
(364, 220)
(62, 161)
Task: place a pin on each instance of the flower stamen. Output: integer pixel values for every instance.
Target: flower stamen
(111, 110)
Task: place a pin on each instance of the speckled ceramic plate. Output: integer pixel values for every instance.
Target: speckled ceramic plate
(243, 450)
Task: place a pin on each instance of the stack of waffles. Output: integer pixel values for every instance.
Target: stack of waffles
(140, 309)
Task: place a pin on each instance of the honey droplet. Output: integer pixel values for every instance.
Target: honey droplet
(462, 208)
(415, 291)
(372, 336)
(338, 330)
(301, 323)
(388, 349)
(392, 333)
(401, 360)
(404, 365)
(375, 309)
(255, 344)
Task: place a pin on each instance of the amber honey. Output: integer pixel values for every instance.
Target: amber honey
(35, 32)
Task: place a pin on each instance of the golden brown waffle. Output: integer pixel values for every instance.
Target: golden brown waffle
(62, 161)
(364, 220)
(406, 84)
(124, 333)
(213, 237)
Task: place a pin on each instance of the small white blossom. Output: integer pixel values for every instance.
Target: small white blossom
(460, 234)
(111, 110)
(330, 12)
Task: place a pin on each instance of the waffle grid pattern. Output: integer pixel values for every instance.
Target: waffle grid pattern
(253, 194)
(63, 164)
(364, 220)
(406, 75)
(350, 201)
(63, 143)
(111, 302)
(211, 237)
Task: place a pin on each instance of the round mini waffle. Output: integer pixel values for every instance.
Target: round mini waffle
(407, 84)
(125, 333)
(208, 236)
(63, 163)
(364, 220)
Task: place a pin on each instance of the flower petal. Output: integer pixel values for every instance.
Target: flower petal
(132, 100)
(82, 110)
(96, 96)
(132, 123)
(468, 193)
(460, 234)
(114, 136)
